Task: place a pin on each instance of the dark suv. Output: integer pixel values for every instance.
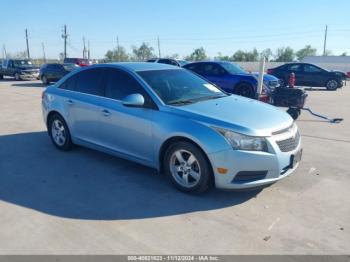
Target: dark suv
(54, 72)
(308, 75)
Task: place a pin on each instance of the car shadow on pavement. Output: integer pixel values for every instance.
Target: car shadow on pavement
(86, 184)
(29, 84)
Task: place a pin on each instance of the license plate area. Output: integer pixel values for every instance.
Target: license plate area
(295, 159)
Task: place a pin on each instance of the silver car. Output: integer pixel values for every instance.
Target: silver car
(172, 120)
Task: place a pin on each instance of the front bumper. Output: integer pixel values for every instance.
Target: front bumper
(272, 166)
(29, 76)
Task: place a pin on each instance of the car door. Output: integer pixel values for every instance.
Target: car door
(126, 130)
(314, 76)
(84, 105)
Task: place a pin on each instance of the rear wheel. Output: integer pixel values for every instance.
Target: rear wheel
(244, 89)
(59, 133)
(45, 80)
(188, 167)
(1, 77)
(332, 84)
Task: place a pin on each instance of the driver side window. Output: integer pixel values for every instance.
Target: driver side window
(312, 69)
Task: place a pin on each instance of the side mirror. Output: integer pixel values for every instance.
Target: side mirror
(134, 100)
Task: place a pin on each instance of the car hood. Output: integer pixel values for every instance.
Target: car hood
(239, 114)
(267, 77)
(28, 68)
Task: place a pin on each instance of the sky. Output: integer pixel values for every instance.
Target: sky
(182, 25)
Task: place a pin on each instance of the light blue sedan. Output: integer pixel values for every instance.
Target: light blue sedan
(170, 119)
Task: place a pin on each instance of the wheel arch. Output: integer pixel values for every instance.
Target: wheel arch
(244, 82)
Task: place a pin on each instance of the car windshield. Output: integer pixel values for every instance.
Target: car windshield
(232, 68)
(182, 62)
(25, 63)
(179, 87)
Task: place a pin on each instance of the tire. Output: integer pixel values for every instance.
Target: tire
(59, 133)
(1, 77)
(294, 113)
(332, 85)
(17, 77)
(244, 89)
(198, 172)
(45, 80)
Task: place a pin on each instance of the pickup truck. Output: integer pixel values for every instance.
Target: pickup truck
(20, 69)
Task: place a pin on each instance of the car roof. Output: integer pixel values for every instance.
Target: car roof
(143, 66)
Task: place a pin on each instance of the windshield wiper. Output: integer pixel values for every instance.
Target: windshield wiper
(181, 102)
(208, 97)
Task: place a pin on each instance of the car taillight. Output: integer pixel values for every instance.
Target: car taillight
(270, 71)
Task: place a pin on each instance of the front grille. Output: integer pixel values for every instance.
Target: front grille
(249, 176)
(274, 83)
(289, 144)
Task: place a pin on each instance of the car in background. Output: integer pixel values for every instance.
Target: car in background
(77, 61)
(169, 61)
(55, 71)
(232, 78)
(175, 121)
(20, 69)
(309, 75)
(348, 74)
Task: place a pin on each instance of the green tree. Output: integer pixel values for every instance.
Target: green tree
(285, 54)
(267, 53)
(328, 52)
(246, 56)
(222, 57)
(239, 56)
(142, 53)
(344, 54)
(118, 54)
(198, 54)
(306, 51)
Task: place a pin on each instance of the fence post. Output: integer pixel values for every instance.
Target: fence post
(261, 77)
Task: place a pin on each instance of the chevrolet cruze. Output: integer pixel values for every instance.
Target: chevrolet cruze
(173, 120)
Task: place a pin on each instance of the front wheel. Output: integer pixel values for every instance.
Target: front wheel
(332, 84)
(188, 168)
(17, 77)
(59, 133)
(244, 89)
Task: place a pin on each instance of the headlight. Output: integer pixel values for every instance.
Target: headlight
(243, 142)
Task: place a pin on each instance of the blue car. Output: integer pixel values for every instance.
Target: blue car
(232, 78)
(172, 120)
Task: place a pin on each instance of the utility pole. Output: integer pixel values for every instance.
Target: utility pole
(118, 47)
(84, 49)
(64, 36)
(44, 55)
(28, 55)
(89, 49)
(325, 41)
(159, 56)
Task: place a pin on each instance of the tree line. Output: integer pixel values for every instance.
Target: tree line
(282, 54)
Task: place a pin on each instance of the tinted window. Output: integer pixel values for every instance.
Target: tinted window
(120, 84)
(213, 69)
(168, 62)
(294, 68)
(195, 67)
(69, 84)
(312, 69)
(89, 82)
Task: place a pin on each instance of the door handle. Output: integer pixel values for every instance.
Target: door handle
(69, 101)
(105, 112)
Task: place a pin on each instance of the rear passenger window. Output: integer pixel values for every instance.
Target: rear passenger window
(89, 82)
(120, 84)
(69, 84)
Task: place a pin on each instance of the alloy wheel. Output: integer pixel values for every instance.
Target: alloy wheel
(58, 132)
(185, 168)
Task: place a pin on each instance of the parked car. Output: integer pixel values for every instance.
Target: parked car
(348, 74)
(175, 121)
(77, 61)
(54, 72)
(168, 61)
(20, 69)
(231, 78)
(308, 75)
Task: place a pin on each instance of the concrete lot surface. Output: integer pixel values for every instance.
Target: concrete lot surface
(86, 202)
